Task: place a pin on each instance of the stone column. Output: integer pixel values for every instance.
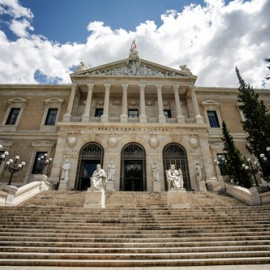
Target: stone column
(105, 116)
(143, 117)
(161, 116)
(86, 115)
(67, 115)
(124, 116)
(180, 117)
(198, 117)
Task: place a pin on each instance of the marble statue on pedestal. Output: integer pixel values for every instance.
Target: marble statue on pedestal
(155, 171)
(65, 171)
(111, 171)
(174, 178)
(98, 179)
(198, 171)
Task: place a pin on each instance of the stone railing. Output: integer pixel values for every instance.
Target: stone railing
(248, 196)
(12, 195)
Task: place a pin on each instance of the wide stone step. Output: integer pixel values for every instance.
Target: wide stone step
(135, 263)
(131, 249)
(139, 243)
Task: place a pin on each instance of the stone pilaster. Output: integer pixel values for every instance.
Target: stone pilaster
(198, 117)
(161, 116)
(180, 117)
(86, 115)
(105, 116)
(67, 115)
(143, 117)
(124, 116)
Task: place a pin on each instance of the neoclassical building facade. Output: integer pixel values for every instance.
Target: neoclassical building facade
(133, 113)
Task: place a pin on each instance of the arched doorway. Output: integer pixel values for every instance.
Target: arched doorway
(174, 153)
(91, 154)
(133, 172)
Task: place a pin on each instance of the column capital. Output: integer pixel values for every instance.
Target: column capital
(90, 85)
(159, 86)
(107, 85)
(142, 85)
(125, 86)
(176, 87)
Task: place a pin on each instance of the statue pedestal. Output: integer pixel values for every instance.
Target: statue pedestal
(94, 198)
(63, 185)
(156, 186)
(177, 198)
(202, 186)
(110, 186)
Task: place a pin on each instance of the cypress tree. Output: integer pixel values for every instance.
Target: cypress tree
(235, 160)
(256, 124)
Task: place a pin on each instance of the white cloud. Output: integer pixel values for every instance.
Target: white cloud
(210, 39)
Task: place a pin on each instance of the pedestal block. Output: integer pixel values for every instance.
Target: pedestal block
(94, 198)
(63, 185)
(110, 186)
(202, 186)
(177, 198)
(156, 186)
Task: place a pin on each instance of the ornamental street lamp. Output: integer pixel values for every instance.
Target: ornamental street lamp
(266, 159)
(43, 162)
(3, 156)
(12, 167)
(221, 161)
(253, 170)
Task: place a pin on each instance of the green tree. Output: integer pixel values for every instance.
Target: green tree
(256, 124)
(235, 160)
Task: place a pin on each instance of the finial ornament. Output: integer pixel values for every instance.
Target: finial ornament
(133, 49)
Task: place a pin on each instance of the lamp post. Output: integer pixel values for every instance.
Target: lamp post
(249, 167)
(3, 156)
(43, 162)
(266, 159)
(12, 167)
(222, 163)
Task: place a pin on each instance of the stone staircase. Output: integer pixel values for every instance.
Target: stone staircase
(136, 229)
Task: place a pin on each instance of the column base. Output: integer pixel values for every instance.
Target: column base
(180, 119)
(143, 118)
(94, 198)
(85, 118)
(161, 119)
(199, 119)
(67, 117)
(104, 118)
(123, 118)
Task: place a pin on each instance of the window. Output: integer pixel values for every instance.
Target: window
(13, 116)
(99, 112)
(51, 117)
(167, 113)
(213, 119)
(37, 169)
(133, 113)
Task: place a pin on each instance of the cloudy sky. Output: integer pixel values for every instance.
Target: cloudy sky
(42, 41)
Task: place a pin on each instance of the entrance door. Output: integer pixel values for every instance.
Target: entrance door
(174, 153)
(133, 173)
(90, 155)
(87, 169)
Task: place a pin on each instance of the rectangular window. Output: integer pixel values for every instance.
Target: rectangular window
(133, 113)
(167, 113)
(51, 117)
(213, 119)
(99, 112)
(12, 117)
(37, 169)
(222, 163)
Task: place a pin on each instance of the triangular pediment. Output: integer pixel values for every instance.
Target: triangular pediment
(133, 67)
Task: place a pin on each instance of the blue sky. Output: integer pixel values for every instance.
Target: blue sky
(43, 41)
